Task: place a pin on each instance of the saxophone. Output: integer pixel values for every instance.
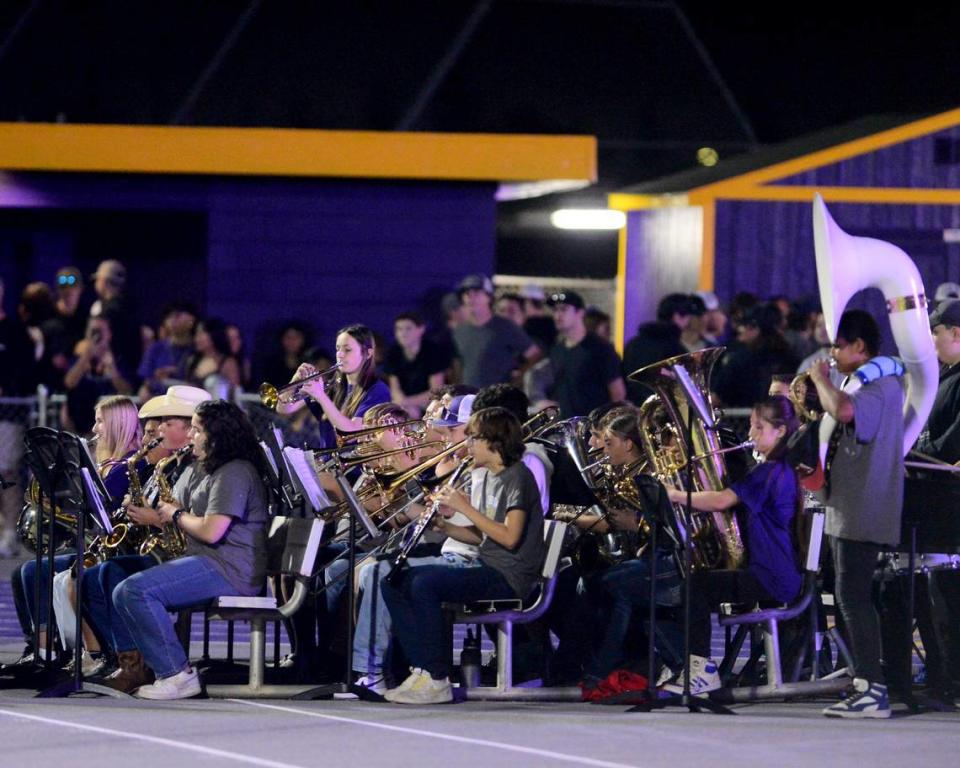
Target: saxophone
(170, 542)
(125, 531)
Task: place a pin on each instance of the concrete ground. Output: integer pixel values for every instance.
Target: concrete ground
(88, 730)
(287, 734)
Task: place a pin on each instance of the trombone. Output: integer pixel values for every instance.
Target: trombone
(414, 428)
(270, 395)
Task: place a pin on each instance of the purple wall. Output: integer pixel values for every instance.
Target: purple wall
(662, 256)
(328, 251)
(907, 164)
(767, 248)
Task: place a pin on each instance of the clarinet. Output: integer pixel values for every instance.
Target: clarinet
(420, 527)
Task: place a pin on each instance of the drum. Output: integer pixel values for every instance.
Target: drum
(898, 563)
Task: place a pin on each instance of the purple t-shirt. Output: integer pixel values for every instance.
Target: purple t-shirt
(769, 493)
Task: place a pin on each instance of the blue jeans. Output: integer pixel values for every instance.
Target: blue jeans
(22, 603)
(415, 607)
(98, 585)
(371, 639)
(28, 578)
(145, 599)
(626, 588)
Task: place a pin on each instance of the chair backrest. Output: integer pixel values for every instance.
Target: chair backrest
(292, 545)
(553, 532)
(814, 526)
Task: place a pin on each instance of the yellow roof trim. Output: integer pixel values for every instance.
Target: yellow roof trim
(292, 152)
(881, 195)
(840, 152)
(620, 309)
(622, 201)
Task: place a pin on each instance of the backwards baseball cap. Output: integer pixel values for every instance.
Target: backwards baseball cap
(572, 298)
(179, 400)
(946, 313)
(458, 413)
(476, 283)
(69, 277)
(113, 271)
(947, 291)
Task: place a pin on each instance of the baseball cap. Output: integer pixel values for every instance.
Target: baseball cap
(946, 313)
(572, 298)
(533, 291)
(476, 283)
(458, 413)
(947, 291)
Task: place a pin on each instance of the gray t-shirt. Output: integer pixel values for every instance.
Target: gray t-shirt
(513, 488)
(236, 490)
(866, 477)
(490, 352)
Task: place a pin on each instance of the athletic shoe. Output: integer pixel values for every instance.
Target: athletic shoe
(415, 674)
(92, 664)
(425, 690)
(374, 683)
(703, 678)
(868, 700)
(182, 685)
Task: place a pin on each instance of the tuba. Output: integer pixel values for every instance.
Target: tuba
(847, 264)
(682, 387)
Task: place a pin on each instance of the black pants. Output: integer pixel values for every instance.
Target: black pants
(708, 589)
(855, 563)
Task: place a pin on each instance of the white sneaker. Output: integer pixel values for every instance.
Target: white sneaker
(425, 690)
(373, 683)
(415, 674)
(703, 678)
(866, 700)
(182, 685)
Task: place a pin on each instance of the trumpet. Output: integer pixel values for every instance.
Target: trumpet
(270, 395)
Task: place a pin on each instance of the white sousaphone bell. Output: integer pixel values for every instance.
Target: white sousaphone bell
(848, 264)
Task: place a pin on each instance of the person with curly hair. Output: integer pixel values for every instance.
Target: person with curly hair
(222, 510)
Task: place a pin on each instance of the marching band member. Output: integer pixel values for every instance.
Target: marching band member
(507, 527)
(864, 498)
(223, 512)
(355, 388)
(371, 640)
(173, 411)
(625, 586)
(771, 495)
(117, 430)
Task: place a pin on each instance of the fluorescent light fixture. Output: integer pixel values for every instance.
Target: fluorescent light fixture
(588, 218)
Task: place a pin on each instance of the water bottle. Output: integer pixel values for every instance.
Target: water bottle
(470, 661)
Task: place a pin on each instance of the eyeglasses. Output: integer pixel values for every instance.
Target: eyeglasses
(67, 280)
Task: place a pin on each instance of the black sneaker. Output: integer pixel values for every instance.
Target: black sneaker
(868, 700)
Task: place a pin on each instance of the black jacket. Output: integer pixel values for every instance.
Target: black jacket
(941, 437)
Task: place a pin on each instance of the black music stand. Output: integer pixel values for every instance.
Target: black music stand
(924, 536)
(685, 700)
(93, 501)
(283, 491)
(358, 515)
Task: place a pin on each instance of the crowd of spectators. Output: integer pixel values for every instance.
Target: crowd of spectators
(90, 343)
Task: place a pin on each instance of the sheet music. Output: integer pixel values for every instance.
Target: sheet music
(95, 501)
(305, 478)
